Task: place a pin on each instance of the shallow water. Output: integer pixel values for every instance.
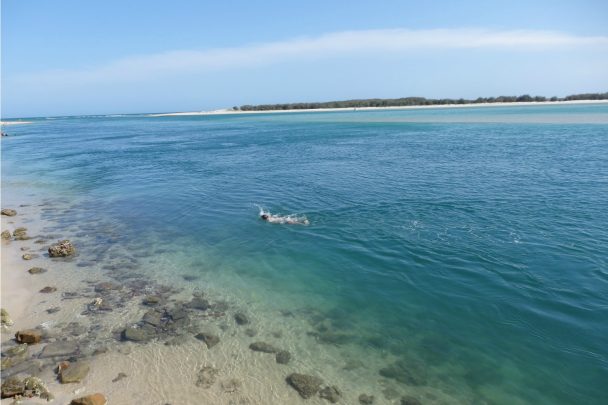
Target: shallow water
(470, 243)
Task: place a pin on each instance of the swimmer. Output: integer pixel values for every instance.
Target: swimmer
(276, 219)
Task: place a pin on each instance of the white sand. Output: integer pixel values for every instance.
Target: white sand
(228, 111)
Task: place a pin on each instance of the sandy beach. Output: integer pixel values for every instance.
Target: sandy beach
(227, 111)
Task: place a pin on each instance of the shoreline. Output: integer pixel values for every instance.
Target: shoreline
(228, 111)
(170, 366)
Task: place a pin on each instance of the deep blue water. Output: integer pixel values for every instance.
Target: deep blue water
(473, 240)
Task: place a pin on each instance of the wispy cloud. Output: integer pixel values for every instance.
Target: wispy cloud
(394, 41)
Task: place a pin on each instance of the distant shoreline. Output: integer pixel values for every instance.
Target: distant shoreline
(229, 111)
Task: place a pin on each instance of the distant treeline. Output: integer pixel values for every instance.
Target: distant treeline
(411, 101)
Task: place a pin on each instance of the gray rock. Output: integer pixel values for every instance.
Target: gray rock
(153, 318)
(5, 319)
(29, 367)
(206, 377)
(177, 313)
(151, 300)
(33, 386)
(48, 290)
(332, 394)
(306, 385)
(241, 318)
(9, 212)
(59, 349)
(209, 339)
(6, 235)
(37, 270)
(365, 399)
(199, 303)
(263, 347)
(21, 234)
(14, 355)
(283, 357)
(136, 334)
(74, 373)
(53, 310)
(62, 249)
(12, 387)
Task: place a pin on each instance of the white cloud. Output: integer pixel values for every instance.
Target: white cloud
(335, 44)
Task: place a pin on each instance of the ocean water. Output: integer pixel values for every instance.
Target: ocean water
(471, 244)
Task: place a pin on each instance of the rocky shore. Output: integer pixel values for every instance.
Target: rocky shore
(91, 339)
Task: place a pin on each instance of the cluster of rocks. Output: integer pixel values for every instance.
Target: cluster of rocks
(17, 361)
(406, 372)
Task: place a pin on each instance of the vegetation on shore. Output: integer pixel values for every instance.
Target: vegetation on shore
(415, 101)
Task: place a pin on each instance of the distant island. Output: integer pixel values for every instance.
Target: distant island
(416, 101)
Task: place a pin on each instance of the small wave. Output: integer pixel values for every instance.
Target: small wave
(292, 219)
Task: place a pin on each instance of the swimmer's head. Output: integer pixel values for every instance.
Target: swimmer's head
(264, 217)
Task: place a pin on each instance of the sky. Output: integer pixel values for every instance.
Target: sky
(77, 57)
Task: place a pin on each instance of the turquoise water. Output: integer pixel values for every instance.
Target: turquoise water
(471, 242)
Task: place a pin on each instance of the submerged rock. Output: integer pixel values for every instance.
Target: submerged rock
(153, 318)
(74, 372)
(14, 355)
(209, 339)
(199, 303)
(62, 249)
(6, 235)
(12, 387)
(29, 336)
(59, 349)
(263, 347)
(5, 319)
(37, 270)
(9, 212)
(365, 399)
(206, 377)
(405, 372)
(332, 394)
(409, 400)
(241, 318)
(33, 386)
(136, 334)
(106, 287)
(28, 387)
(53, 310)
(306, 385)
(94, 399)
(151, 300)
(29, 256)
(20, 234)
(48, 289)
(250, 332)
(283, 357)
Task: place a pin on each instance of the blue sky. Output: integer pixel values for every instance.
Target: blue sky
(83, 57)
